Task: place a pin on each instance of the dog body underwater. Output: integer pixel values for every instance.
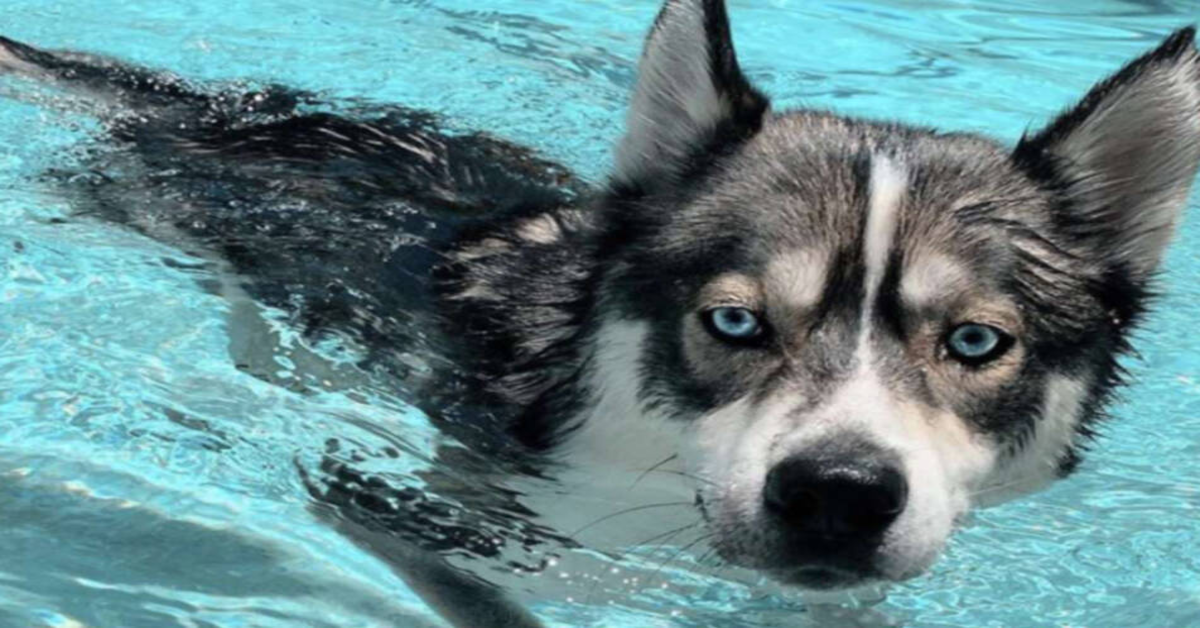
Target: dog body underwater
(832, 338)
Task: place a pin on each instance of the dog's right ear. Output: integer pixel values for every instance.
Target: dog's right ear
(1125, 157)
(690, 95)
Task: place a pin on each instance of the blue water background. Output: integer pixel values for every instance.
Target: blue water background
(145, 481)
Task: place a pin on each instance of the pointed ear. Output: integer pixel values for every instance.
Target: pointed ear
(690, 94)
(1126, 155)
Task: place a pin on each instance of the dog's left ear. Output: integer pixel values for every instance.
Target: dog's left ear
(690, 94)
(1124, 158)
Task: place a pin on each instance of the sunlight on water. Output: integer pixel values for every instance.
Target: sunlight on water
(146, 480)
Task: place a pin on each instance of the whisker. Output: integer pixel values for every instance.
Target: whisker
(668, 534)
(999, 487)
(707, 555)
(689, 476)
(663, 565)
(651, 469)
(715, 562)
(627, 511)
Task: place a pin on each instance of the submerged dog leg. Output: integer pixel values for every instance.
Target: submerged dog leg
(458, 597)
(461, 598)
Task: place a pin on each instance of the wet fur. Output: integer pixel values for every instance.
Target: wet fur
(558, 303)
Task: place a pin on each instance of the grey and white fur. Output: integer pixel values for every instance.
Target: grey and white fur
(837, 336)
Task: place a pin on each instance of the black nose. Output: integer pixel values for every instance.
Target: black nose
(835, 496)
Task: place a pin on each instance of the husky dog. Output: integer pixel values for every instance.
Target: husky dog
(833, 337)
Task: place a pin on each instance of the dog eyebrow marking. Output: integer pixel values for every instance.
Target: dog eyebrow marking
(930, 277)
(887, 184)
(732, 289)
(797, 278)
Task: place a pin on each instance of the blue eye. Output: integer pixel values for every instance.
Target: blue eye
(736, 324)
(975, 343)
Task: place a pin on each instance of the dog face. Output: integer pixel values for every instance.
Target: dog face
(866, 329)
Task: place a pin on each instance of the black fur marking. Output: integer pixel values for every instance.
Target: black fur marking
(522, 335)
(888, 305)
(749, 105)
(845, 290)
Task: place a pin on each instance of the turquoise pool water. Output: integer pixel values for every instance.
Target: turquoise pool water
(146, 481)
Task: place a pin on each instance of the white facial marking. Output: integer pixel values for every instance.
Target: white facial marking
(731, 443)
(735, 446)
(798, 277)
(617, 428)
(868, 398)
(889, 180)
(609, 456)
(1037, 464)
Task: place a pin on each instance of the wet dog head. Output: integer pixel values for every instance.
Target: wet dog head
(866, 329)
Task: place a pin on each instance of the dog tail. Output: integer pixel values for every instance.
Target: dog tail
(112, 89)
(18, 58)
(99, 79)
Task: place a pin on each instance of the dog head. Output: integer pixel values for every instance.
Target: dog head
(866, 329)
